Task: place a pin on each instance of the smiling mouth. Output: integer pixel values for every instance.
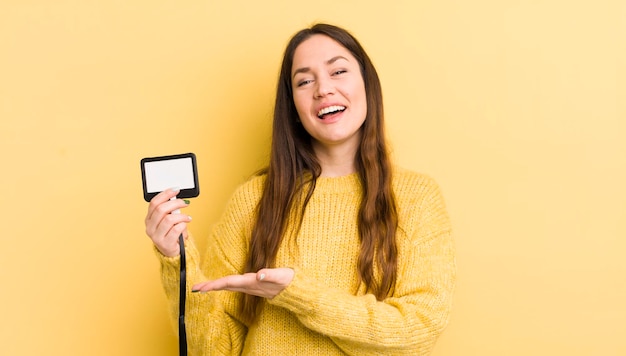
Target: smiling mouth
(330, 110)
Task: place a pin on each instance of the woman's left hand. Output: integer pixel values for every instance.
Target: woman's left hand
(266, 283)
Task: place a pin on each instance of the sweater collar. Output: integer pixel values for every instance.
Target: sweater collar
(350, 183)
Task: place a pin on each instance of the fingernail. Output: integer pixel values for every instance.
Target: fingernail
(262, 277)
(175, 189)
(189, 218)
(187, 201)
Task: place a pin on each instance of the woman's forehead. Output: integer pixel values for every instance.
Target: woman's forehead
(319, 49)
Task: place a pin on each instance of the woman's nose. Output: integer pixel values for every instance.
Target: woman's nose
(324, 87)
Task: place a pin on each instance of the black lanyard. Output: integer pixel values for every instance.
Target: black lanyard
(182, 334)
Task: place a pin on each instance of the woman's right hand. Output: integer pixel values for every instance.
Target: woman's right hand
(162, 226)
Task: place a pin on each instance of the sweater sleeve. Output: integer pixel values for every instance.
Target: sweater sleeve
(410, 321)
(210, 329)
(213, 324)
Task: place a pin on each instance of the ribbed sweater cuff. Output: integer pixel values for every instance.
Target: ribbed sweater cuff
(300, 296)
(170, 266)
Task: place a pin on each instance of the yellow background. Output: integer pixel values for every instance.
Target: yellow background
(517, 108)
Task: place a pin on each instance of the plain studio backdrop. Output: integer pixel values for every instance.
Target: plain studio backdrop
(517, 109)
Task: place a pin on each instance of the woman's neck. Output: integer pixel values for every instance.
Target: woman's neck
(336, 161)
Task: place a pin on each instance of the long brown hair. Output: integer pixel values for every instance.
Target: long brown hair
(293, 166)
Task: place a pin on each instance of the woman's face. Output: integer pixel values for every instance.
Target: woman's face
(328, 92)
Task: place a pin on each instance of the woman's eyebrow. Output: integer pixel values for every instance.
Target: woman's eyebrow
(328, 62)
(335, 59)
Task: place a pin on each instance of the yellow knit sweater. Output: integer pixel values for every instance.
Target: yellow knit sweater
(324, 311)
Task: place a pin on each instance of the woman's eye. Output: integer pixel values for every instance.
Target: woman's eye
(340, 71)
(304, 82)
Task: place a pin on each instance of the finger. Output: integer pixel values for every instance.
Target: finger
(278, 276)
(169, 221)
(236, 283)
(161, 223)
(240, 282)
(169, 235)
(159, 199)
(168, 207)
(165, 233)
(163, 213)
(266, 275)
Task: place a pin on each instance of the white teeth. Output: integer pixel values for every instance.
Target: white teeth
(330, 109)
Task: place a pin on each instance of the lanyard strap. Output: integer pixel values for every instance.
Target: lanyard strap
(182, 333)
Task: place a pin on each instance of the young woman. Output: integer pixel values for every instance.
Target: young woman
(331, 250)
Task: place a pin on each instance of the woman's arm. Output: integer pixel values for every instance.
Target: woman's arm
(211, 329)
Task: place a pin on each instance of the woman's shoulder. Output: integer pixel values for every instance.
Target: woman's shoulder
(249, 192)
(408, 182)
(253, 183)
(421, 206)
